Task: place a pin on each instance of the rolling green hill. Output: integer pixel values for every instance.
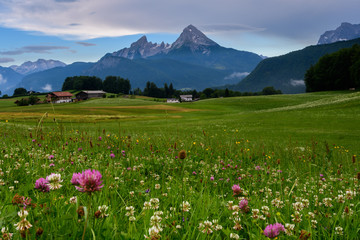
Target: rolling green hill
(287, 72)
(331, 117)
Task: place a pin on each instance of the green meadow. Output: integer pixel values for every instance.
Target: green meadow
(326, 116)
(224, 168)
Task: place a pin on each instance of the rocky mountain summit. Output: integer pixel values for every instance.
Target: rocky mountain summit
(142, 49)
(345, 32)
(193, 39)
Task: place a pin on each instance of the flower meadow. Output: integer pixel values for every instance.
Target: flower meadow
(69, 184)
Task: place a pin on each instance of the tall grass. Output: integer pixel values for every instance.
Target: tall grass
(318, 182)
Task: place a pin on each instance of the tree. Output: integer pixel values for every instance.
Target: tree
(20, 92)
(208, 92)
(336, 71)
(227, 93)
(171, 90)
(270, 91)
(166, 90)
(113, 84)
(33, 99)
(82, 83)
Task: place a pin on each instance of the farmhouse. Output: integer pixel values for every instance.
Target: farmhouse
(59, 97)
(84, 95)
(186, 98)
(172, 100)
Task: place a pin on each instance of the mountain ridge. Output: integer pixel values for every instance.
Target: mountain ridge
(40, 65)
(287, 72)
(346, 31)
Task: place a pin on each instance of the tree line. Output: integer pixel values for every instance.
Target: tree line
(168, 91)
(336, 71)
(111, 84)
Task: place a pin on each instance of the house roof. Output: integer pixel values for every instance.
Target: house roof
(94, 92)
(186, 96)
(62, 94)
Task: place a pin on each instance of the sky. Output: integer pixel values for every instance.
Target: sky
(85, 30)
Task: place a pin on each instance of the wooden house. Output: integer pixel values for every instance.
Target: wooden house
(59, 97)
(84, 95)
(186, 98)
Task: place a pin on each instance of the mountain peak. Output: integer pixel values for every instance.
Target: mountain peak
(193, 38)
(141, 42)
(346, 31)
(141, 49)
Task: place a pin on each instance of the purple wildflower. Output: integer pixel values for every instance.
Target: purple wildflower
(42, 185)
(258, 168)
(212, 178)
(100, 138)
(112, 155)
(273, 230)
(236, 189)
(51, 165)
(80, 149)
(34, 140)
(243, 204)
(51, 157)
(89, 181)
(75, 179)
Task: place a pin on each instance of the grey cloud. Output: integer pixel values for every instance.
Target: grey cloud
(229, 28)
(296, 19)
(86, 44)
(296, 83)
(237, 75)
(67, 1)
(6, 60)
(33, 49)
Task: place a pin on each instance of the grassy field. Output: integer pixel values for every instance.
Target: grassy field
(328, 116)
(213, 169)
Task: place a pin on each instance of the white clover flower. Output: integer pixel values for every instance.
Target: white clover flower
(339, 230)
(185, 206)
(234, 236)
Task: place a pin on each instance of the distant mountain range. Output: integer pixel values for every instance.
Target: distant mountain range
(11, 77)
(287, 72)
(38, 66)
(346, 31)
(192, 61)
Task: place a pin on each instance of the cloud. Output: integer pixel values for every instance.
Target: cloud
(86, 44)
(65, 1)
(229, 28)
(2, 79)
(84, 19)
(237, 75)
(6, 60)
(296, 83)
(47, 88)
(33, 49)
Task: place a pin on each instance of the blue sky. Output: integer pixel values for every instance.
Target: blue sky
(84, 30)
